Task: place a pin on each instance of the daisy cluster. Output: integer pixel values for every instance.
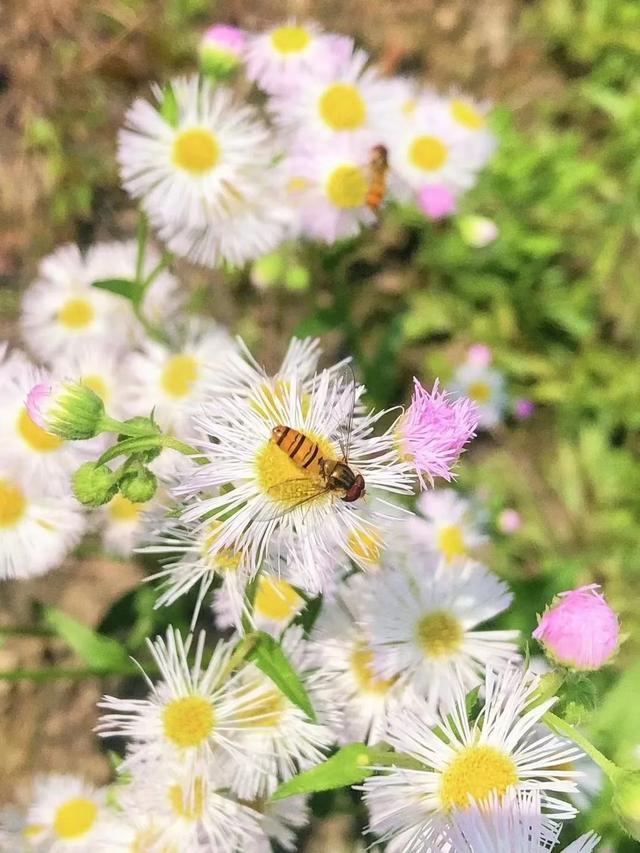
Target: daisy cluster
(309, 140)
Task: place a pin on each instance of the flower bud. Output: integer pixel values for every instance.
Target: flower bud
(477, 231)
(267, 270)
(479, 355)
(94, 485)
(436, 201)
(434, 430)
(509, 521)
(69, 410)
(297, 278)
(221, 50)
(523, 409)
(579, 630)
(626, 801)
(139, 486)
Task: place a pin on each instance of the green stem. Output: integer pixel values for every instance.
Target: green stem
(183, 447)
(164, 262)
(25, 631)
(240, 652)
(563, 728)
(109, 424)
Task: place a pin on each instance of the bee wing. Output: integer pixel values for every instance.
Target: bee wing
(295, 493)
(343, 423)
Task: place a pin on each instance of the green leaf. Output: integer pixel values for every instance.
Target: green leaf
(270, 658)
(101, 653)
(348, 766)
(169, 107)
(126, 287)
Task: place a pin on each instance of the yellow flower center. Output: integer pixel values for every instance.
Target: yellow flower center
(467, 115)
(290, 39)
(428, 153)
(440, 634)
(98, 385)
(13, 504)
(32, 830)
(179, 374)
(342, 107)
(265, 711)
(196, 150)
(223, 560)
(75, 818)
(366, 545)
(191, 808)
(76, 314)
(478, 771)
(479, 391)
(347, 187)
(188, 721)
(273, 467)
(272, 396)
(36, 437)
(362, 668)
(451, 542)
(276, 599)
(122, 509)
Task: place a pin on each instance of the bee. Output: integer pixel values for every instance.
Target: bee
(326, 474)
(379, 166)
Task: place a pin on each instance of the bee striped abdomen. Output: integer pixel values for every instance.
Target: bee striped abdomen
(300, 449)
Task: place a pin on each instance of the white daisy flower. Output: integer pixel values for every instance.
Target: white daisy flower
(502, 750)
(471, 116)
(276, 734)
(196, 157)
(102, 369)
(125, 524)
(352, 100)
(280, 56)
(421, 619)
(36, 531)
(188, 558)
(62, 312)
(193, 712)
(448, 524)
(359, 700)
(513, 821)
(190, 813)
(329, 188)
(270, 492)
(486, 387)
(175, 384)
(39, 455)
(280, 822)
(256, 227)
(68, 812)
(427, 146)
(276, 603)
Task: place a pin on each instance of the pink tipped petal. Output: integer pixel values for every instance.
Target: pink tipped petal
(35, 402)
(435, 429)
(436, 201)
(509, 521)
(524, 409)
(579, 630)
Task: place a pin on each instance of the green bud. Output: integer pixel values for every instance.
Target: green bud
(297, 278)
(267, 270)
(626, 801)
(94, 485)
(139, 486)
(69, 410)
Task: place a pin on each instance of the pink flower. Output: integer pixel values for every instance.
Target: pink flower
(479, 355)
(436, 201)
(579, 630)
(523, 409)
(36, 403)
(434, 430)
(509, 521)
(226, 38)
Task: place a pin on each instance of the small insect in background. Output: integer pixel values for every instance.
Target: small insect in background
(326, 474)
(379, 168)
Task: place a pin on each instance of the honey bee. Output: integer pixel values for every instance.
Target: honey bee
(333, 475)
(379, 167)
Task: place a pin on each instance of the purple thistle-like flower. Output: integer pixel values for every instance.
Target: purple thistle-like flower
(434, 430)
